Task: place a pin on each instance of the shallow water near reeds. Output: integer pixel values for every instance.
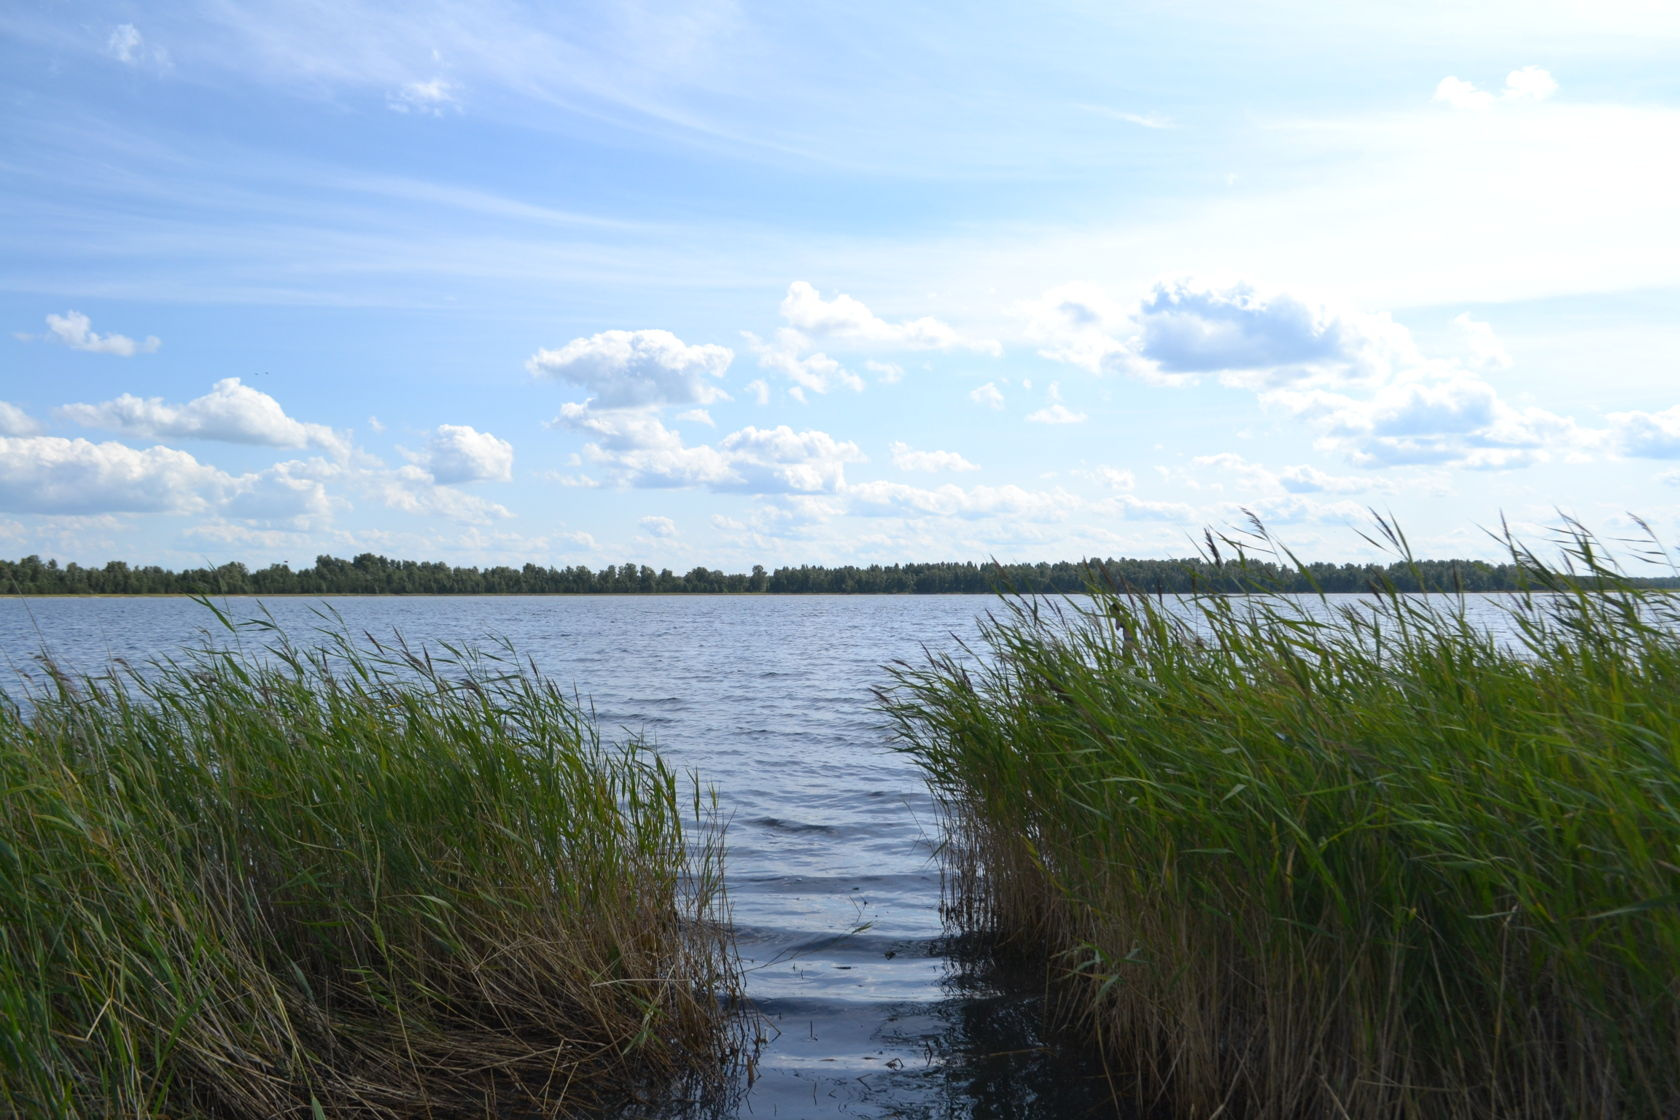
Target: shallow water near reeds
(871, 1008)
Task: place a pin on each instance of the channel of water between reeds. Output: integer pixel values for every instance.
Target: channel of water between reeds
(1371, 862)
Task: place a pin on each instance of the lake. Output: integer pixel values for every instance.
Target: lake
(833, 876)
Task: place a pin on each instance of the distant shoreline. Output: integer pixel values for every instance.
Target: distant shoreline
(369, 574)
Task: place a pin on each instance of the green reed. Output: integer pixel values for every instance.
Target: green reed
(1294, 859)
(352, 879)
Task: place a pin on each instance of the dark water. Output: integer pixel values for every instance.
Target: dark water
(833, 877)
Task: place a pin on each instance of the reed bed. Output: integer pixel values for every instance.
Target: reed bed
(354, 879)
(1290, 858)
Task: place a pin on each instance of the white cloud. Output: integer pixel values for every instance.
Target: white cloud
(1461, 94)
(780, 459)
(573, 481)
(988, 394)
(1647, 435)
(1486, 351)
(1306, 479)
(231, 411)
(432, 98)
(906, 459)
(1056, 414)
(457, 453)
(1081, 325)
(638, 450)
(14, 421)
(1189, 326)
(847, 319)
(1436, 415)
(75, 330)
(887, 373)
(662, 527)
(47, 474)
(698, 416)
(124, 43)
(1530, 83)
(288, 495)
(637, 369)
(412, 489)
(817, 372)
(760, 390)
(950, 500)
(1112, 477)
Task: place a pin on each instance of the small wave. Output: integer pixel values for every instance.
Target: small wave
(777, 824)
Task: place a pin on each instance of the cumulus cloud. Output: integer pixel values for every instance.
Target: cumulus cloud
(1647, 435)
(780, 459)
(1436, 416)
(75, 330)
(1113, 478)
(1486, 351)
(457, 453)
(231, 412)
(1530, 83)
(817, 372)
(290, 495)
(847, 319)
(637, 369)
(907, 459)
(760, 390)
(1056, 414)
(887, 373)
(433, 98)
(1358, 377)
(1188, 327)
(412, 489)
(47, 474)
(662, 527)
(14, 421)
(698, 416)
(1305, 479)
(988, 395)
(638, 450)
(950, 500)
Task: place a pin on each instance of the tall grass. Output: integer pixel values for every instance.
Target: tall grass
(351, 879)
(1295, 859)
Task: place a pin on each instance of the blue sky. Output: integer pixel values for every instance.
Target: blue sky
(734, 283)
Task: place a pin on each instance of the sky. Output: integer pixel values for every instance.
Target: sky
(723, 284)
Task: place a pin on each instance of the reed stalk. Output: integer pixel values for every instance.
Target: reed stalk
(354, 879)
(1296, 857)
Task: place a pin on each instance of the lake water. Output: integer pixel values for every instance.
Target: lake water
(833, 876)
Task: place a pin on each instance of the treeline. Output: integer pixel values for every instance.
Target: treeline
(369, 574)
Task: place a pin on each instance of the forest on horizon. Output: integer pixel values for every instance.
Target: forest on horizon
(370, 574)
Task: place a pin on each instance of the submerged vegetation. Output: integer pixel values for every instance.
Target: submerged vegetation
(1297, 859)
(352, 879)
